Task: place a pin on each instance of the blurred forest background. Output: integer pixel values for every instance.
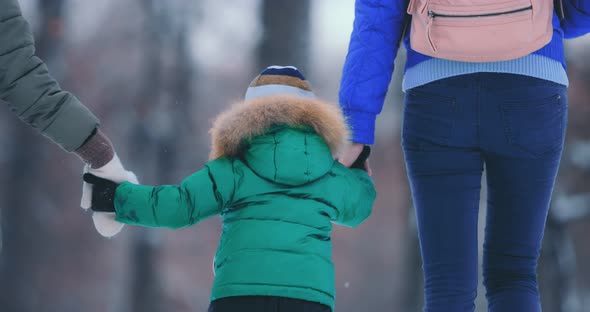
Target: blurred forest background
(156, 72)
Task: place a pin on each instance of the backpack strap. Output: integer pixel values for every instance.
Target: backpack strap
(558, 5)
(407, 20)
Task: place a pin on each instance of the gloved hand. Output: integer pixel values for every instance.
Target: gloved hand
(103, 193)
(105, 222)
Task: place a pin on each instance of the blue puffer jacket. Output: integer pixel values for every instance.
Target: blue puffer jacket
(378, 27)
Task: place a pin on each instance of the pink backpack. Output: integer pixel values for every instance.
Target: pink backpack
(480, 30)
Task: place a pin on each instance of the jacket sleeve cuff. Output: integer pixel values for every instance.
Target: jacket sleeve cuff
(124, 200)
(72, 126)
(362, 126)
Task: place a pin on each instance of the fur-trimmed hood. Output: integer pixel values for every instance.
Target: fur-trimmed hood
(285, 139)
(245, 120)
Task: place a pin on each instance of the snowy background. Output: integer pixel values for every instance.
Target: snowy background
(156, 72)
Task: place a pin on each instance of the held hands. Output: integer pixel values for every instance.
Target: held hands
(362, 161)
(98, 186)
(103, 193)
(356, 156)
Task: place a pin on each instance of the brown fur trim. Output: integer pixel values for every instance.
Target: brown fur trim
(280, 80)
(246, 120)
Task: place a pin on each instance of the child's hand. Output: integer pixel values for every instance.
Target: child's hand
(103, 193)
(105, 222)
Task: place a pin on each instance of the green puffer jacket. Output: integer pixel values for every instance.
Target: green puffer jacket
(277, 186)
(31, 92)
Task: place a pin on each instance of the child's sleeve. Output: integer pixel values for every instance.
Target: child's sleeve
(198, 197)
(358, 200)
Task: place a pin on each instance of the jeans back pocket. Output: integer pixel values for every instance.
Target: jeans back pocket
(428, 116)
(536, 126)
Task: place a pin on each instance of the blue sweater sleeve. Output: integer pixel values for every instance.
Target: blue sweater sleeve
(577, 18)
(378, 27)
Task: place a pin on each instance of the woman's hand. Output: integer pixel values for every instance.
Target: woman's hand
(351, 153)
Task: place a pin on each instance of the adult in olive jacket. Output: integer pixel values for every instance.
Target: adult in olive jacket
(37, 99)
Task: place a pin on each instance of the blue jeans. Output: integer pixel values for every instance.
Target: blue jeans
(514, 126)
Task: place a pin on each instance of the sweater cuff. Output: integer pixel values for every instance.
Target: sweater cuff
(97, 150)
(362, 126)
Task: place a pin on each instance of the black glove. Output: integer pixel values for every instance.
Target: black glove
(359, 163)
(103, 193)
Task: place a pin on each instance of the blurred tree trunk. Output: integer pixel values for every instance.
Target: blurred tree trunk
(163, 117)
(50, 41)
(145, 292)
(286, 38)
(23, 218)
(22, 225)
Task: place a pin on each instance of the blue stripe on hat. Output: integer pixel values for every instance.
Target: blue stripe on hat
(283, 71)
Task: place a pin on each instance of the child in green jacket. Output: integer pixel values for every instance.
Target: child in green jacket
(274, 180)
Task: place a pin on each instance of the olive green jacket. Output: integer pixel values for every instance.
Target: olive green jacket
(31, 93)
(278, 189)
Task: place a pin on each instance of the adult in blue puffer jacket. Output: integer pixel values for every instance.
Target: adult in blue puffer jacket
(459, 116)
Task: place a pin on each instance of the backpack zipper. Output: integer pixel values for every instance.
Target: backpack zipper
(433, 14)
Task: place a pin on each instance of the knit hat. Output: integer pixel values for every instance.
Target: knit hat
(279, 80)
